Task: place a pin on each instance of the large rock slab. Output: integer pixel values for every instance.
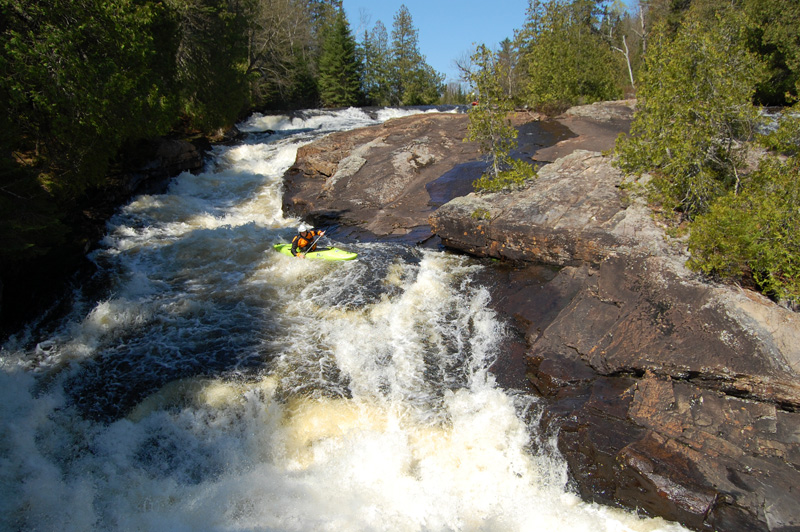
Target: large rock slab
(670, 394)
(376, 177)
(385, 180)
(557, 221)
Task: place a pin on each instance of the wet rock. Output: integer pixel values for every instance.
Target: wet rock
(706, 459)
(670, 394)
(375, 177)
(151, 164)
(387, 179)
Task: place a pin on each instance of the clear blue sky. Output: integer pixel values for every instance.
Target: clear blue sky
(448, 29)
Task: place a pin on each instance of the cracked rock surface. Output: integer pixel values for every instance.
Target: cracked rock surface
(670, 394)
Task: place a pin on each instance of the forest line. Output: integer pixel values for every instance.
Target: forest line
(84, 79)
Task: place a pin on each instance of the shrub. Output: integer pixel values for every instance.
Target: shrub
(756, 232)
(515, 177)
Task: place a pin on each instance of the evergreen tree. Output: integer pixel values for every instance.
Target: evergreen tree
(513, 81)
(693, 110)
(490, 127)
(211, 62)
(376, 60)
(79, 78)
(774, 34)
(413, 81)
(82, 78)
(339, 72)
(281, 52)
(567, 57)
(454, 94)
(754, 231)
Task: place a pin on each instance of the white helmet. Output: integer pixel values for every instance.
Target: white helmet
(303, 228)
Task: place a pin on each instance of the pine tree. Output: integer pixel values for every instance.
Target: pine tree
(376, 62)
(282, 52)
(490, 127)
(694, 109)
(774, 34)
(567, 57)
(509, 57)
(413, 81)
(339, 73)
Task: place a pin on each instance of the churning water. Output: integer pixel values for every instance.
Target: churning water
(217, 385)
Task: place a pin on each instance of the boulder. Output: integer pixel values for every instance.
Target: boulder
(151, 164)
(556, 221)
(375, 177)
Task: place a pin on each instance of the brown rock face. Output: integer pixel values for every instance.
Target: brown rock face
(557, 221)
(671, 395)
(376, 177)
(669, 401)
(385, 180)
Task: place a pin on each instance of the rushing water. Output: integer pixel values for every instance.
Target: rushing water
(217, 385)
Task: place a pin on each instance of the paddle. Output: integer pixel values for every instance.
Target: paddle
(311, 246)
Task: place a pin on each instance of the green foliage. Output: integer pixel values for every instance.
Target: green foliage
(771, 31)
(695, 120)
(375, 54)
(786, 136)
(514, 78)
(210, 61)
(281, 52)
(517, 175)
(80, 78)
(568, 59)
(694, 112)
(490, 127)
(481, 214)
(774, 34)
(412, 80)
(756, 232)
(454, 94)
(339, 77)
(396, 73)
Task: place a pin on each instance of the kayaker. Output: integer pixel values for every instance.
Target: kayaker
(305, 240)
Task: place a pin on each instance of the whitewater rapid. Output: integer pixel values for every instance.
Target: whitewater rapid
(204, 382)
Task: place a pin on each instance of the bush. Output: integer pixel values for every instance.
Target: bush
(515, 177)
(756, 232)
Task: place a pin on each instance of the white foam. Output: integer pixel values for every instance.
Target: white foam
(373, 408)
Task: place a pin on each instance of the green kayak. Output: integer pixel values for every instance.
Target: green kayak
(320, 253)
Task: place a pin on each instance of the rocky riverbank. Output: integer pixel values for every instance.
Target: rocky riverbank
(31, 288)
(669, 394)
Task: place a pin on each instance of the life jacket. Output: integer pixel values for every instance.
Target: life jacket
(302, 241)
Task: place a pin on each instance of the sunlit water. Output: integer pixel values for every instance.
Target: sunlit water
(217, 385)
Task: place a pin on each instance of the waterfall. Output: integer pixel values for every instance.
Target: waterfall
(205, 382)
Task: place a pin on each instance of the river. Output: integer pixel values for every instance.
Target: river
(202, 381)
